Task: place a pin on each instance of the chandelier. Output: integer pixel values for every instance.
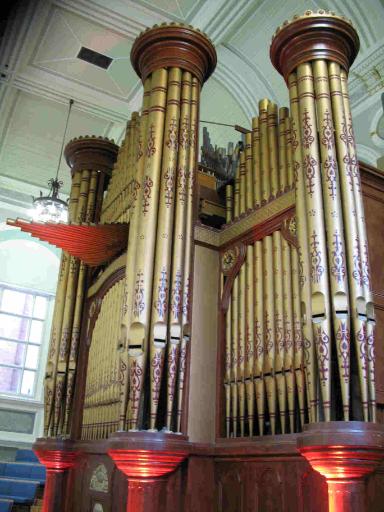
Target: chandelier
(51, 208)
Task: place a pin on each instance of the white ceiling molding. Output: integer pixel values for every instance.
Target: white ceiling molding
(237, 89)
(366, 78)
(367, 154)
(109, 18)
(9, 101)
(60, 89)
(22, 187)
(228, 17)
(377, 141)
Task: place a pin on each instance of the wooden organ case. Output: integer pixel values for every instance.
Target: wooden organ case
(220, 369)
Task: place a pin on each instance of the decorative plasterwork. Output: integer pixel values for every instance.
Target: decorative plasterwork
(99, 479)
(366, 78)
(367, 154)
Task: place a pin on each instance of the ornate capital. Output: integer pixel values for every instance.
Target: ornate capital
(146, 464)
(341, 450)
(147, 455)
(91, 153)
(173, 45)
(57, 460)
(313, 36)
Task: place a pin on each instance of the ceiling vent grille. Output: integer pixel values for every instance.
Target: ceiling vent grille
(95, 58)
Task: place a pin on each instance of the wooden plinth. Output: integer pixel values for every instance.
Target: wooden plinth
(344, 453)
(147, 458)
(58, 457)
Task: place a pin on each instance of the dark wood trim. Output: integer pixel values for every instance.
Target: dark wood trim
(263, 229)
(314, 36)
(91, 153)
(173, 45)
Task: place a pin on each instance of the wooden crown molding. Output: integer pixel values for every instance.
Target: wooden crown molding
(173, 45)
(314, 36)
(91, 153)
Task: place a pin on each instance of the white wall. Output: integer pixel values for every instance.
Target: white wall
(29, 264)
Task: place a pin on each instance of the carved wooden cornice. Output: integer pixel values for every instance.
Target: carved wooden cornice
(91, 153)
(174, 45)
(313, 36)
(252, 226)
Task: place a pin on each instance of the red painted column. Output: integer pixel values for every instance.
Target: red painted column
(346, 495)
(145, 494)
(57, 464)
(344, 453)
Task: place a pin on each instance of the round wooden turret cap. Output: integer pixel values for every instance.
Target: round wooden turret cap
(313, 36)
(91, 153)
(174, 45)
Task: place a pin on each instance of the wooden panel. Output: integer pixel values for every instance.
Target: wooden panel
(200, 485)
(202, 383)
(373, 193)
(230, 488)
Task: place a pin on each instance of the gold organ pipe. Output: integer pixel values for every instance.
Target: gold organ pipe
(243, 184)
(286, 272)
(228, 331)
(264, 151)
(256, 161)
(135, 215)
(235, 321)
(297, 337)
(303, 253)
(370, 328)
(278, 320)
(177, 279)
(283, 175)
(288, 329)
(234, 353)
(259, 333)
(356, 286)
(289, 153)
(241, 352)
(189, 247)
(249, 335)
(316, 230)
(65, 339)
(370, 314)
(78, 308)
(334, 227)
(273, 175)
(249, 196)
(242, 307)
(53, 352)
(160, 303)
(258, 282)
(249, 291)
(268, 277)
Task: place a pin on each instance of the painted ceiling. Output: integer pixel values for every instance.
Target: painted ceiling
(40, 71)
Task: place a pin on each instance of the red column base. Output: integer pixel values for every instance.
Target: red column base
(146, 459)
(57, 463)
(344, 453)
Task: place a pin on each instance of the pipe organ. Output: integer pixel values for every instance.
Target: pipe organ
(290, 298)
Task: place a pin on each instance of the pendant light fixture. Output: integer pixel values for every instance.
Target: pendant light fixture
(51, 208)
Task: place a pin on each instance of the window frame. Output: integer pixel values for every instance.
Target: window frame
(36, 395)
